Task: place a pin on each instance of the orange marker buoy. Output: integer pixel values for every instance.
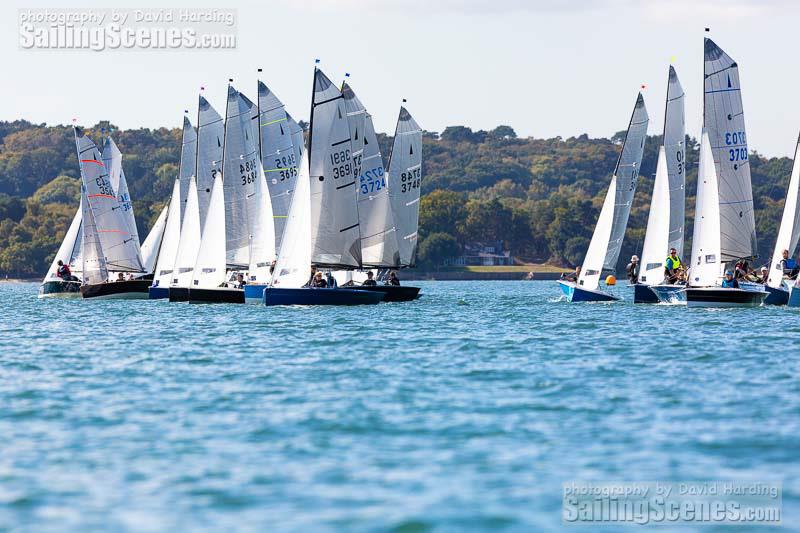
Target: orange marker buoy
(611, 280)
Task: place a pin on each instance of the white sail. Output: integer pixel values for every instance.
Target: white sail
(66, 252)
(112, 159)
(118, 244)
(334, 221)
(189, 244)
(675, 151)
(723, 121)
(169, 244)
(210, 135)
(210, 267)
(595, 256)
(262, 251)
(94, 266)
(188, 166)
(707, 264)
(278, 156)
(405, 182)
(240, 176)
(627, 174)
(293, 266)
(656, 239)
(298, 139)
(789, 232)
(152, 243)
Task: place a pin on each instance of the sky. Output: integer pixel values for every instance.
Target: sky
(545, 67)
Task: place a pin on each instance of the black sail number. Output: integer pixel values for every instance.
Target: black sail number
(248, 171)
(342, 165)
(410, 180)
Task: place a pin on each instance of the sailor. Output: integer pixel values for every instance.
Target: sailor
(730, 282)
(633, 269)
(120, 277)
(789, 266)
(393, 279)
(318, 282)
(572, 276)
(764, 275)
(240, 281)
(313, 276)
(672, 266)
(741, 269)
(64, 272)
(369, 282)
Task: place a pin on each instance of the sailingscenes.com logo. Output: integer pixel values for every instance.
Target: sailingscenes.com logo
(127, 29)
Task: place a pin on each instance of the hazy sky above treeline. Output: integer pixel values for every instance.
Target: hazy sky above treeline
(545, 67)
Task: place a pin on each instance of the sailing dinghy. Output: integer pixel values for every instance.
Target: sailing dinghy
(69, 254)
(606, 242)
(322, 225)
(666, 218)
(788, 236)
(724, 227)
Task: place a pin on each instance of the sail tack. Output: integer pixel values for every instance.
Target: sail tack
(724, 124)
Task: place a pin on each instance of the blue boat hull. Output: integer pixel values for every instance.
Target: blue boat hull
(254, 293)
(777, 296)
(794, 297)
(307, 296)
(669, 294)
(642, 294)
(578, 294)
(159, 293)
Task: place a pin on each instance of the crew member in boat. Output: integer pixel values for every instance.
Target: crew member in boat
(633, 269)
(369, 282)
(393, 279)
(240, 281)
(672, 267)
(789, 266)
(730, 282)
(64, 272)
(572, 276)
(120, 277)
(318, 281)
(313, 276)
(741, 269)
(763, 276)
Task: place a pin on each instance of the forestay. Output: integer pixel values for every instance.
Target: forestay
(117, 243)
(334, 221)
(627, 174)
(405, 181)
(706, 264)
(172, 235)
(210, 134)
(278, 156)
(723, 121)
(789, 232)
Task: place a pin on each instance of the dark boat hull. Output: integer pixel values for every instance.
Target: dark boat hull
(777, 296)
(158, 293)
(578, 294)
(136, 289)
(723, 297)
(643, 295)
(307, 296)
(178, 294)
(218, 295)
(394, 293)
(60, 289)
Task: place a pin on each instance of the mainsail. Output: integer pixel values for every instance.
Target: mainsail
(627, 174)
(666, 218)
(723, 121)
(152, 243)
(789, 232)
(189, 243)
(706, 263)
(293, 266)
(210, 135)
(405, 181)
(94, 266)
(117, 243)
(172, 235)
(334, 221)
(188, 166)
(112, 159)
(278, 155)
(68, 249)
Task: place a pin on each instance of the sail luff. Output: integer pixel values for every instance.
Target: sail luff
(789, 231)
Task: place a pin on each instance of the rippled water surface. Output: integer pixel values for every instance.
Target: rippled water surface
(467, 409)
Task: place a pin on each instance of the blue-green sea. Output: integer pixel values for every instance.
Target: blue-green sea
(465, 410)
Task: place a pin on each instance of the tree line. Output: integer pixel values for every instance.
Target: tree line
(541, 197)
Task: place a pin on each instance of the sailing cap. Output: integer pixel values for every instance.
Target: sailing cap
(728, 273)
(634, 258)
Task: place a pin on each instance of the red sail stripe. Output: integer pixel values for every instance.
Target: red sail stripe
(102, 196)
(92, 161)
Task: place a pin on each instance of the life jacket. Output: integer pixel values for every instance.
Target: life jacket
(676, 262)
